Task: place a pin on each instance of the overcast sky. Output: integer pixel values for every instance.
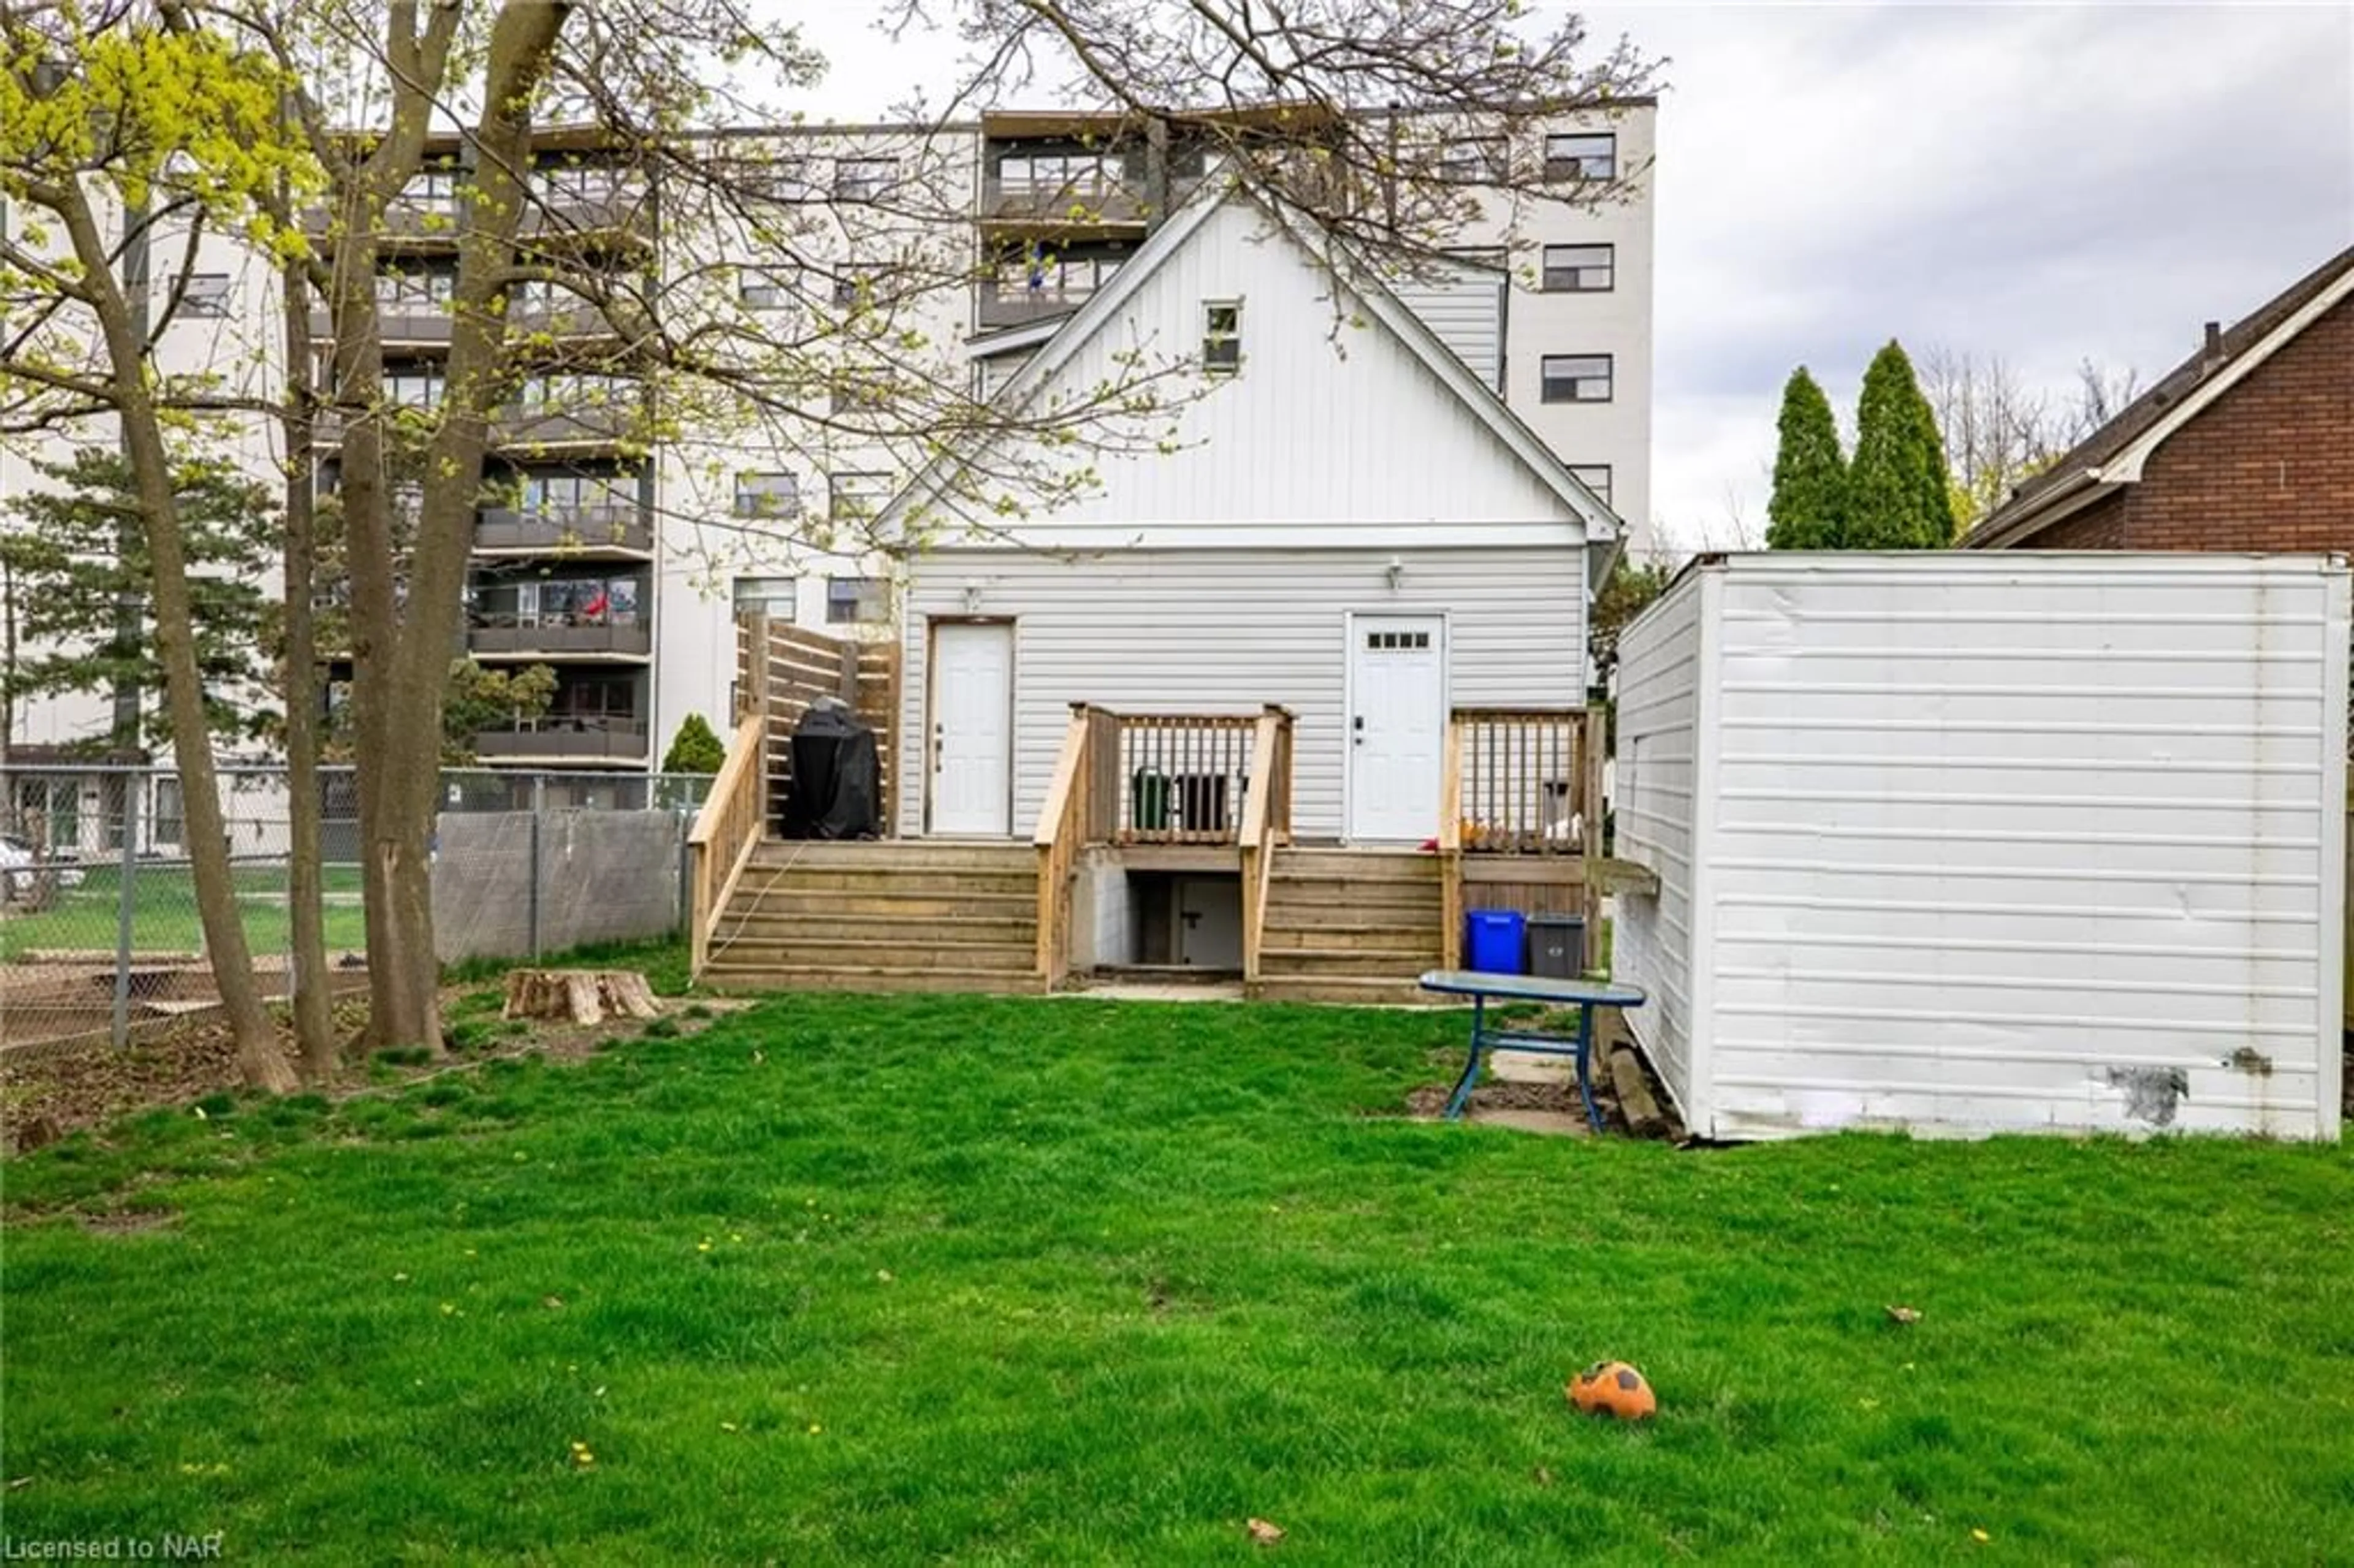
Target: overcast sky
(2043, 183)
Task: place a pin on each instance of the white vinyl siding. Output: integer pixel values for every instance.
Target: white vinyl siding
(1658, 703)
(1231, 630)
(1464, 309)
(1996, 844)
(1311, 434)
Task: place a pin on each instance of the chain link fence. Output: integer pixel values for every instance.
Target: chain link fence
(98, 924)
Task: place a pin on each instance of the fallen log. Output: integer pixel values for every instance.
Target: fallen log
(1636, 1102)
(579, 996)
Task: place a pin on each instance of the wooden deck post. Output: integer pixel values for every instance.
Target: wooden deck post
(1592, 744)
(1450, 845)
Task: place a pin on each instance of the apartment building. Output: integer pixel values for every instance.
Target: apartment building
(620, 562)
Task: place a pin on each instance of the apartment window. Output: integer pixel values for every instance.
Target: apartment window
(397, 291)
(1046, 277)
(433, 189)
(572, 494)
(857, 600)
(206, 295)
(581, 183)
(1474, 161)
(853, 392)
(1582, 155)
(1057, 174)
(1596, 477)
(768, 595)
(1222, 336)
(413, 388)
(558, 601)
(854, 281)
(1575, 378)
(768, 495)
(596, 701)
(857, 495)
(543, 294)
(1580, 268)
(862, 179)
(793, 179)
(764, 288)
(570, 393)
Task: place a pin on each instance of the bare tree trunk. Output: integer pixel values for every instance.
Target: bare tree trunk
(315, 1023)
(258, 1055)
(403, 666)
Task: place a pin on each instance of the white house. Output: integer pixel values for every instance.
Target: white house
(1349, 526)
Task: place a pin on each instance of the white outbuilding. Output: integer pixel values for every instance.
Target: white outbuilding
(1961, 844)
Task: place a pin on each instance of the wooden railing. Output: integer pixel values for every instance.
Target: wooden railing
(1170, 778)
(1161, 779)
(726, 832)
(1520, 782)
(1528, 782)
(1266, 822)
(1062, 833)
(782, 669)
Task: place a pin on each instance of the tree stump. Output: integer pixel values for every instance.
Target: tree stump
(582, 996)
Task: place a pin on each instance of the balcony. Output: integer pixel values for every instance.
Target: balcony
(593, 741)
(593, 424)
(518, 429)
(566, 321)
(405, 323)
(585, 531)
(557, 641)
(431, 222)
(1085, 203)
(408, 223)
(622, 213)
(1020, 307)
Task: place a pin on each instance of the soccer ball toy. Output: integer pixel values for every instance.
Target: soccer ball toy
(1613, 1388)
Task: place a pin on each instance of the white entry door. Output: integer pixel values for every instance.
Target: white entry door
(1397, 726)
(973, 728)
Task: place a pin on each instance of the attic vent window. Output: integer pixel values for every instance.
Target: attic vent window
(1222, 336)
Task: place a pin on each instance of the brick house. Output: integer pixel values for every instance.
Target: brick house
(2247, 445)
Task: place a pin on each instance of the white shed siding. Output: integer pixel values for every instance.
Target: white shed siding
(1659, 732)
(1332, 421)
(2020, 842)
(1229, 631)
(1464, 309)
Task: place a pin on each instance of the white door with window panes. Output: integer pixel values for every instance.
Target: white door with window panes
(1397, 726)
(973, 728)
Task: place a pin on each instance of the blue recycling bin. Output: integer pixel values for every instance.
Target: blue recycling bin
(1495, 942)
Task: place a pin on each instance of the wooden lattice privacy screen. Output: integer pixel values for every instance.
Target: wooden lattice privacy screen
(800, 667)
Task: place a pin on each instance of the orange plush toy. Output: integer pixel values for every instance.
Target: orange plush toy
(1613, 1388)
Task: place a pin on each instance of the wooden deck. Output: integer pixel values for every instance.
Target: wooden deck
(1197, 794)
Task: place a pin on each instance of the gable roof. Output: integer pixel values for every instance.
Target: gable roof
(1104, 306)
(2114, 455)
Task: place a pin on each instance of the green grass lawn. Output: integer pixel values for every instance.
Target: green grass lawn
(164, 912)
(860, 1281)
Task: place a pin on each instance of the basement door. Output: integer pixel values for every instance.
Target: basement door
(1397, 726)
(973, 728)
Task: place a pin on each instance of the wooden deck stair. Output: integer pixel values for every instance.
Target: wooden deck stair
(888, 917)
(1349, 925)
